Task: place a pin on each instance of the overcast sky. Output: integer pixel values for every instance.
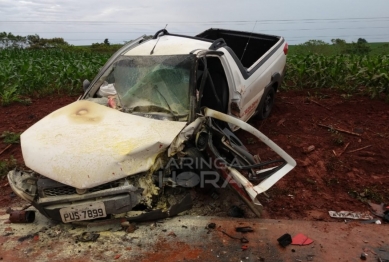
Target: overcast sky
(83, 22)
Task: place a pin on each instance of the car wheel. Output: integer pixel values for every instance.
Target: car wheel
(266, 104)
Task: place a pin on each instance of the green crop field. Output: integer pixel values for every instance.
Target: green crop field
(40, 72)
(356, 67)
(349, 73)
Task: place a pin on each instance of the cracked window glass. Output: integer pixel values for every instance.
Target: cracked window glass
(152, 84)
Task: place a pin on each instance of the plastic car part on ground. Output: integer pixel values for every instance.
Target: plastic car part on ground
(21, 216)
(349, 214)
(285, 240)
(301, 240)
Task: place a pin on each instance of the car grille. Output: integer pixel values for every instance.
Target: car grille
(67, 190)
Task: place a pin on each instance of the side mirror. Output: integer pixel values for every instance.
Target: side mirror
(85, 84)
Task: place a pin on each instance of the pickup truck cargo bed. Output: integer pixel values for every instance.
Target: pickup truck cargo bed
(256, 45)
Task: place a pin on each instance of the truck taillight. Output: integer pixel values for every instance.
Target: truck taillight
(286, 48)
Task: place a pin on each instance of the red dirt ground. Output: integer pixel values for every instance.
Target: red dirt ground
(322, 181)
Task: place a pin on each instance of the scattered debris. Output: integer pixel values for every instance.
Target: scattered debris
(359, 149)
(53, 232)
(22, 216)
(172, 234)
(344, 149)
(244, 247)
(349, 214)
(378, 210)
(235, 211)
(386, 216)
(372, 221)
(29, 236)
(211, 225)
(2, 151)
(244, 229)
(125, 224)
(308, 149)
(310, 257)
(185, 204)
(130, 228)
(301, 240)
(87, 237)
(101, 225)
(285, 240)
(363, 256)
(281, 122)
(313, 101)
(117, 256)
(339, 130)
(242, 239)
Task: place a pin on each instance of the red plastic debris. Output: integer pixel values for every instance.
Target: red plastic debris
(244, 247)
(301, 240)
(172, 234)
(118, 256)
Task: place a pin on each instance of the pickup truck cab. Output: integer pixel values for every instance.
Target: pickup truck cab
(253, 66)
(159, 113)
(237, 73)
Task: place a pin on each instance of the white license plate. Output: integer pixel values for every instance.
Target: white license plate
(83, 212)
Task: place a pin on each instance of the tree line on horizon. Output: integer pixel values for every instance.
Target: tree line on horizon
(337, 46)
(11, 41)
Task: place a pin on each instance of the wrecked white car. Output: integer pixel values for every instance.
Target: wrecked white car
(160, 113)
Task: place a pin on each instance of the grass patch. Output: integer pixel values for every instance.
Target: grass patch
(337, 138)
(7, 165)
(369, 193)
(10, 137)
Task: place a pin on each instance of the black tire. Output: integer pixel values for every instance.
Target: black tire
(266, 105)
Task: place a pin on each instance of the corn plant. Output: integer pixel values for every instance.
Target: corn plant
(40, 72)
(28, 72)
(350, 73)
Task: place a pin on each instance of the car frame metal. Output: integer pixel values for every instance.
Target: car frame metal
(90, 162)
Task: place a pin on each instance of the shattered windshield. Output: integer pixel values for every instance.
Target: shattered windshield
(152, 84)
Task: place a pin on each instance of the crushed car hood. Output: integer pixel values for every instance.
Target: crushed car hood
(85, 144)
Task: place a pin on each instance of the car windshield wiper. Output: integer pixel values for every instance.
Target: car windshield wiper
(154, 108)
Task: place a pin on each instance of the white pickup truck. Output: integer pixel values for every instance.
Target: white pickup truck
(160, 113)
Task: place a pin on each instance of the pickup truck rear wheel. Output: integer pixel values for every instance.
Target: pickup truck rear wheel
(266, 104)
